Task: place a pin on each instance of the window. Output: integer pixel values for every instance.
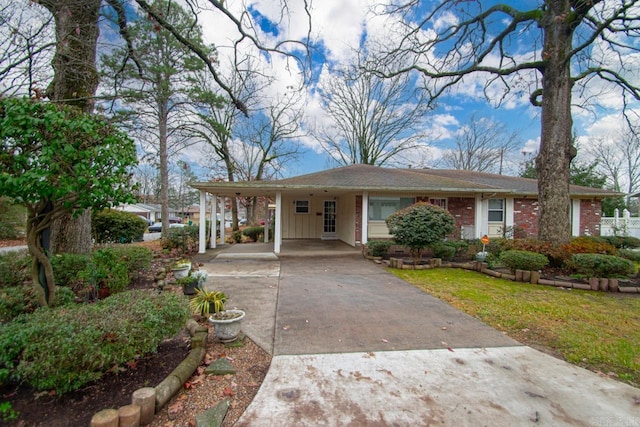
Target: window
(381, 207)
(439, 202)
(496, 210)
(302, 206)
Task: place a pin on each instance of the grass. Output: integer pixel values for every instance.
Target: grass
(596, 330)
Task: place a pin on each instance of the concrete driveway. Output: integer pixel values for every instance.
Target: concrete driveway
(355, 346)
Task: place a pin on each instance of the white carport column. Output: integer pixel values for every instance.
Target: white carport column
(277, 239)
(222, 215)
(202, 227)
(575, 217)
(479, 225)
(214, 208)
(364, 222)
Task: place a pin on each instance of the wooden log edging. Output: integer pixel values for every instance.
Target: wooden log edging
(533, 277)
(164, 391)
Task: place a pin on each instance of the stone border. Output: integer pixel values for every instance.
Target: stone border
(533, 277)
(148, 401)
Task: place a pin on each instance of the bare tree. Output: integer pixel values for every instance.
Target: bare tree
(27, 42)
(372, 120)
(481, 145)
(76, 79)
(619, 158)
(268, 141)
(575, 44)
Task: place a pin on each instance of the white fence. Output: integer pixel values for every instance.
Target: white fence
(620, 225)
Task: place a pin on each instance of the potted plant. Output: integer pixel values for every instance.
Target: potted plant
(181, 268)
(205, 302)
(188, 285)
(226, 322)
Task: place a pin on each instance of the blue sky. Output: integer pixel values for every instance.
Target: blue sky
(341, 27)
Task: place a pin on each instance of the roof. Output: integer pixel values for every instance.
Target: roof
(362, 177)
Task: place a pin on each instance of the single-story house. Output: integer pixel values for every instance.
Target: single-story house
(351, 203)
(149, 211)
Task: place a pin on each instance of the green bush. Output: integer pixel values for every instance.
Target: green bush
(15, 268)
(629, 254)
(445, 251)
(183, 239)
(113, 226)
(598, 265)
(106, 271)
(254, 233)
(622, 242)
(523, 260)
(17, 300)
(378, 248)
(135, 258)
(237, 236)
(63, 349)
(8, 231)
(419, 226)
(67, 266)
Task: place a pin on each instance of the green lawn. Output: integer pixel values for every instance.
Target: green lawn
(596, 330)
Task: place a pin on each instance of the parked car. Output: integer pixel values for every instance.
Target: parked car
(147, 220)
(157, 227)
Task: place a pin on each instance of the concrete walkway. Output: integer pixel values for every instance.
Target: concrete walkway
(355, 346)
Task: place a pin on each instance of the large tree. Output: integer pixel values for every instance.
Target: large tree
(481, 145)
(371, 120)
(568, 43)
(154, 90)
(58, 162)
(75, 77)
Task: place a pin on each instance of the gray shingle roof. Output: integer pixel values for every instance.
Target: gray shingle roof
(374, 178)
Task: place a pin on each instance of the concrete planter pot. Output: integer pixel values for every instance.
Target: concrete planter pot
(227, 329)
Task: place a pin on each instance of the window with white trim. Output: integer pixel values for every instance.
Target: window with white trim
(302, 206)
(496, 210)
(439, 202)
(381, 207)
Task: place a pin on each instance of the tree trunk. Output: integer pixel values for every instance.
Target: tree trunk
(556, 149)
(164, 165)
(74, 83)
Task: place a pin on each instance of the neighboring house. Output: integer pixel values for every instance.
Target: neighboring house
(351, 203)
(149, 211)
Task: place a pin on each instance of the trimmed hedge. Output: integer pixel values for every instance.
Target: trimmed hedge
(523, 260)
(113, 226)
(445, 251)
(379, 248)
(15, 268)
(254, 233)
(63, 349)
(598, 265)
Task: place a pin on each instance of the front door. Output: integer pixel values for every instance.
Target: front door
(329, 220)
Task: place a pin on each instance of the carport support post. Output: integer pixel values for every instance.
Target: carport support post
(364, 238)
(222, 215)
(202, 227)
(277, 239)
(214, 218)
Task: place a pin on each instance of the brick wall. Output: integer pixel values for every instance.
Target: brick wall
(463, 210)
(525, 217)
(590, 211)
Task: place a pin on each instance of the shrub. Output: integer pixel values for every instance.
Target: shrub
(183, 239)
(629, 254)
(254, 233)
(63, 349)
(589, 245)
(15, 268)
(378, 248)
(523, 260)
(445, 251)
(17, 300)
(598, 265)
(237, 236)
(106, 272)
(419, 226)
(622, 242)
(67, 266)
(113, 226)
(135, 258)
